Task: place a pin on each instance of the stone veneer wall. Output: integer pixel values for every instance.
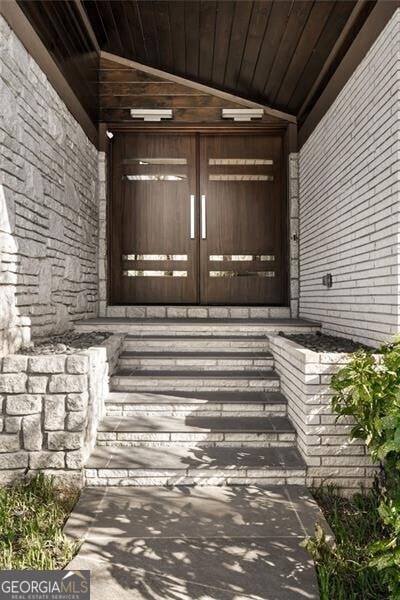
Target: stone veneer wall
(48, 205)
(50, 406)
(349, 202)
(325, 445)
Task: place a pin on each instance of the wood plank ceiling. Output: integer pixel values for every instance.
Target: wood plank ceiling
(271, 52)
(122, 87)
(62, 31)
(268, 51)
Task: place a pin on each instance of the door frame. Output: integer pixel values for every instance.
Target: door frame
(288, 131)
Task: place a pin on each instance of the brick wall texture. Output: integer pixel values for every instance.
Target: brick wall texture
(48, 204)
(325, 444)
(349, 202)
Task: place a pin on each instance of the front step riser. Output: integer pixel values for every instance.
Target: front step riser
(210, 329)
(262, 410)
(202, 364)
(196, 345)
(121, 477)
(207, 440)
(199, 312)
(138, 384)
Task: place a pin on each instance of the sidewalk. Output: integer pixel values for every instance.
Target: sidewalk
(196, 543)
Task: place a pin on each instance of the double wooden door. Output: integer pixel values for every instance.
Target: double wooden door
(197, 219)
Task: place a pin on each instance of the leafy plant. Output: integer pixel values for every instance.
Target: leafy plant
(368, 390)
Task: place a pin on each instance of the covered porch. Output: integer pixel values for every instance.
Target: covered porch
(199, 222)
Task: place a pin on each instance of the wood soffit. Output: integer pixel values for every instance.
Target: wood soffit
(289, 57)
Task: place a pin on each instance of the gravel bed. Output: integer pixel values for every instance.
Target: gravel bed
(67, 343)
(319, 342)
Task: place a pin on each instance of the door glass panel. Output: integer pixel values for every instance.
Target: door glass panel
(151, 273)
(158, 177)
(240, 161)
(242, 274)
(155, 161)
(242, 257)
(241, 177)
(154, 257)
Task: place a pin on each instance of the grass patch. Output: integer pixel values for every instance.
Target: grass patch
(342, 568)
(32, 516)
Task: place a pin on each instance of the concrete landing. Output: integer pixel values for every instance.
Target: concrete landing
(209, 543)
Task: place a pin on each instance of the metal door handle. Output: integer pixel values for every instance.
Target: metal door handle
(192, 216)
(203, 218)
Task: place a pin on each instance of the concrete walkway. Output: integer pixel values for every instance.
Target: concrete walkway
(196, 543)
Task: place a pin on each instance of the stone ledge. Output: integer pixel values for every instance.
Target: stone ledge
(50, 409)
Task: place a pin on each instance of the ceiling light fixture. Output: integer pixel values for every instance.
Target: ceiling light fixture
(242, 114)
(150, 114)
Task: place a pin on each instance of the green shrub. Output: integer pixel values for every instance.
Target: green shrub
(32, 515)
(368, 390)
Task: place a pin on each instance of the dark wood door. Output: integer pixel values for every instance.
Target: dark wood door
(242, 210)
(154, 241)
(197, 219)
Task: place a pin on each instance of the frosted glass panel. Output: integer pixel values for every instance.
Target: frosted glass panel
(240, 161)
(154, 257)
(242, 274)
(241, 177)
(242, 257)
(155, 273)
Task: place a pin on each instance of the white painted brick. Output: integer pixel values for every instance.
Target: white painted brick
(324, 443)
(347, 169)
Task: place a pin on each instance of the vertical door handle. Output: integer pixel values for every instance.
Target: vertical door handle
(203, 218)
(192, 216)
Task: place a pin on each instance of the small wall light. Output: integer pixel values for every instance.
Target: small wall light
(150, 114)
(109, 134)
(327, 280)
(242, 114)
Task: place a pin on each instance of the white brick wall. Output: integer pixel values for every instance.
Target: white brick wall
(48, 204)
(330, 455)
(350, 205)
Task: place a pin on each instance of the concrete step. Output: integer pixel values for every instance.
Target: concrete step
(198, 327)
(129, 380)
(194, 343)
(199, 312)
(182, 361)
(199, 431)
(213, 404)
(144, 466)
